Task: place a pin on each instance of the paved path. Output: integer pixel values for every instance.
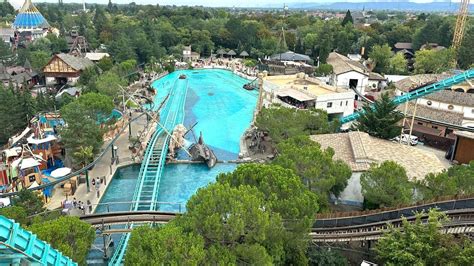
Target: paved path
(102, 168)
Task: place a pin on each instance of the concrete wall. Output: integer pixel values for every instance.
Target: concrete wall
(341, 103)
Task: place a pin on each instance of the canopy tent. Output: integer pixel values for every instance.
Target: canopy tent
(244, 54)
(25, 163)
(290, 56)
(60, 172)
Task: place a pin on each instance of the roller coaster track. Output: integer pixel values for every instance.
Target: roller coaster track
(341, 229)
(428, 89)
(18, 246)
(146, 191)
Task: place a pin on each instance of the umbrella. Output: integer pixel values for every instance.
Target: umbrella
(221, 52)
(60, 172)
(231, 53)
(244, 54)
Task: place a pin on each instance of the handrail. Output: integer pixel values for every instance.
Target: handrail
(77, 172)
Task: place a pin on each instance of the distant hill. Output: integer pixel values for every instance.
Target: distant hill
(398, 6)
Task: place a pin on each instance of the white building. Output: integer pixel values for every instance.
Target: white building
(302, 91)
(189, 55)
(348, 73)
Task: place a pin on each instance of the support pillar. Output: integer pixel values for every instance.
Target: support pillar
(87, 181)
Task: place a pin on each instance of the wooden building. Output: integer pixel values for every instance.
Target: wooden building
(463, 147)
(65, 69)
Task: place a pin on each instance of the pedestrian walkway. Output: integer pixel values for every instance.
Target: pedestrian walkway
(103, 168)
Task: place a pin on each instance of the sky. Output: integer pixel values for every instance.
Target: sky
(215, 3)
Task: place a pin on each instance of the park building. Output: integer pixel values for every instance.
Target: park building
(302, 91)
(65, 69)
(29, 24)
(348, 73)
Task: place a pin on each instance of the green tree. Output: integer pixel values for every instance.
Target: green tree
(315, 167)
(39, 59)
(386, 185)
(381, 55)
(421, 243)
(323, 70)
(398, 64)
(325, 257)
(167, 244)
(284, 194)
(465, 53)
(457, 180)
(105, 63)
(380, 119)
(16, 213)
(6, 9)
(109, 84)
(347, 18)
(235, 225)
(282, 123)
(68, 234)
(85, 155)
(433, 61)
(29, 201)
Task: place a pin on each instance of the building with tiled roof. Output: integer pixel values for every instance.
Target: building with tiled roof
(359, 151)
(347, 73)
(65, 69)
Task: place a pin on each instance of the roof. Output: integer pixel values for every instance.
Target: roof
(244, 53)
(34, 141)
(404, 45)
(359, 150)
(452, 97)
(96, 56)
(433, 114)
(295, 94)
(29, 17)
(231, 52)
(290, 56)
(466, 134)
(342, 64)
(78, 63)
(415, 81)
(25, 163)
(72, 91)
(376, 76)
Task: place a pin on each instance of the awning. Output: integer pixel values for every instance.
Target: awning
(295, 94)
(25, 163)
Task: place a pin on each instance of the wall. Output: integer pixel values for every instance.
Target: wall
(342, 103)
(342, 80)
(464, 148)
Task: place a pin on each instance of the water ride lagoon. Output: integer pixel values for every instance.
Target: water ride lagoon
(218, 107)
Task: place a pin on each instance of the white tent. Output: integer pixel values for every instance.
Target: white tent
(60, 172)
(25, 163)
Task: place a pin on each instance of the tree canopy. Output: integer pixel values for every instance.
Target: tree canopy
(380, 119)
(315, 167)
(68, 234)
(386, 185)
(421, 243)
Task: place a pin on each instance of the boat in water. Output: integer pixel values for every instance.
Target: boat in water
(201, 152)
(182, 76)
(249, 87)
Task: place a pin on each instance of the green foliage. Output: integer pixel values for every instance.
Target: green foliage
(105, 64)
(82, 128)
(29, 201)
(380, 119)
(284, 194)
(433, 61)
(457, 180)
(347, 18)
(381, 55)
(39, 59)
(386, 185)
(325, 257)
(398, 64)
(167, 244)
(109, 84)
(323, 70)
(85, 154)
(466, 53)
(16, 213)
(421, 243)
(6, 9)
(250, 62)
(68, 234)
(315, 167)
(283, 123)
(235, 221)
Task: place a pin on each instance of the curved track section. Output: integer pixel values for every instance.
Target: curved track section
(428, 89)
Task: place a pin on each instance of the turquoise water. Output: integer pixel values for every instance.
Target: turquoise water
(223, 110)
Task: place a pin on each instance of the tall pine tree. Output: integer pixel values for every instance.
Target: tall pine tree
(347, 18)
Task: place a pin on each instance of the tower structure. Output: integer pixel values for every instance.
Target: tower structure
(30, 19)
(460, 24)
